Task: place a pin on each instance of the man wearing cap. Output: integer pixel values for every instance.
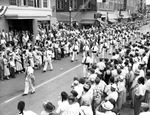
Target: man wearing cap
(48, 108)
(113, 93)
(106, 108)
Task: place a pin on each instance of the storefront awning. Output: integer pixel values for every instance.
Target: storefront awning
(112, 20)
(112, 16)
(3, 9)
(27, 13)
(87, 21)
(125, 14)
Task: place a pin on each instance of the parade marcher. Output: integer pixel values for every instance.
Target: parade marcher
(75, 51)
(86, 64)
(94, 53)
(48, 60)
(30, 57)
(85, 49)
(29, 80)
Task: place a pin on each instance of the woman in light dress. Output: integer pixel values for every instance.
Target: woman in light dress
(18, 63)
(6, 69)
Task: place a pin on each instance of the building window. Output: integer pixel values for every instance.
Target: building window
(36, 3)
(110, 5)
(60, 4)
(73, 4)
(13, 2)
(30, 2)
(87, 4)
(25, 2)
(45, 3)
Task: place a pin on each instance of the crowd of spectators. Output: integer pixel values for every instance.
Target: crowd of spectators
(106, 84)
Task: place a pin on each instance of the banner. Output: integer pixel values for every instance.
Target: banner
(3, 9)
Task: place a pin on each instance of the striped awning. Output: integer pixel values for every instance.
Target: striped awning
(3, 9)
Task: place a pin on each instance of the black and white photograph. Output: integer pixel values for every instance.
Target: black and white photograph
(74, 57)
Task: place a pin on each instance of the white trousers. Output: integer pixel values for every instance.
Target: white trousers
(74, 56)
(85, 72)
(111, 49)
(31, 62)
(94, 60)
(48, 62)
(28, 85)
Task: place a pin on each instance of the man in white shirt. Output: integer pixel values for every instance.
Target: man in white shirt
(113, 94)
(73, 108)
(48, 60)
(101, 65)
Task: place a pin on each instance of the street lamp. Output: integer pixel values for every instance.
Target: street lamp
(70, 10)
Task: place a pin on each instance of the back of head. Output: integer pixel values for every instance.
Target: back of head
(21, 106)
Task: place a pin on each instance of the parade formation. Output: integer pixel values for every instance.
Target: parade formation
(115, 61)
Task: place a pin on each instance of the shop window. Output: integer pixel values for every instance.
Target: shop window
(73, 4)
(30, 2)
(13, 2)
(45, 3)
(60, 4)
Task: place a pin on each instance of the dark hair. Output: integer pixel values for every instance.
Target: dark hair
(75, 78)
(71, 98)
(97, 80)
(82, 80)
(112, 80)
(21, 106)
(141, 80)
(74, 93)
(64, 96)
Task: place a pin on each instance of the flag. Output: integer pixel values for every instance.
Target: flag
(3, 9)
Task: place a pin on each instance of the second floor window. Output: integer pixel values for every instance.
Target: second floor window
(87, 4)
(60, 4)
(30, 2)
(45, 3)
(13, 2)
(73, 4)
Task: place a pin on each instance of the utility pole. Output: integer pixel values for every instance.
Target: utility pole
(70, 10)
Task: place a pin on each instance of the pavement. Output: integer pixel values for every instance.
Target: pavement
(49, 85)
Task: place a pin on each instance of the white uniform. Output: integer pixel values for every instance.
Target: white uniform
(75, 50)
(28, 81)
(48, 60)
(94, 53)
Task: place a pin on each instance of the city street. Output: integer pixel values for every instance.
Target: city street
(49, 85)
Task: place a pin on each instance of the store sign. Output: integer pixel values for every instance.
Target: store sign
(3, 9)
